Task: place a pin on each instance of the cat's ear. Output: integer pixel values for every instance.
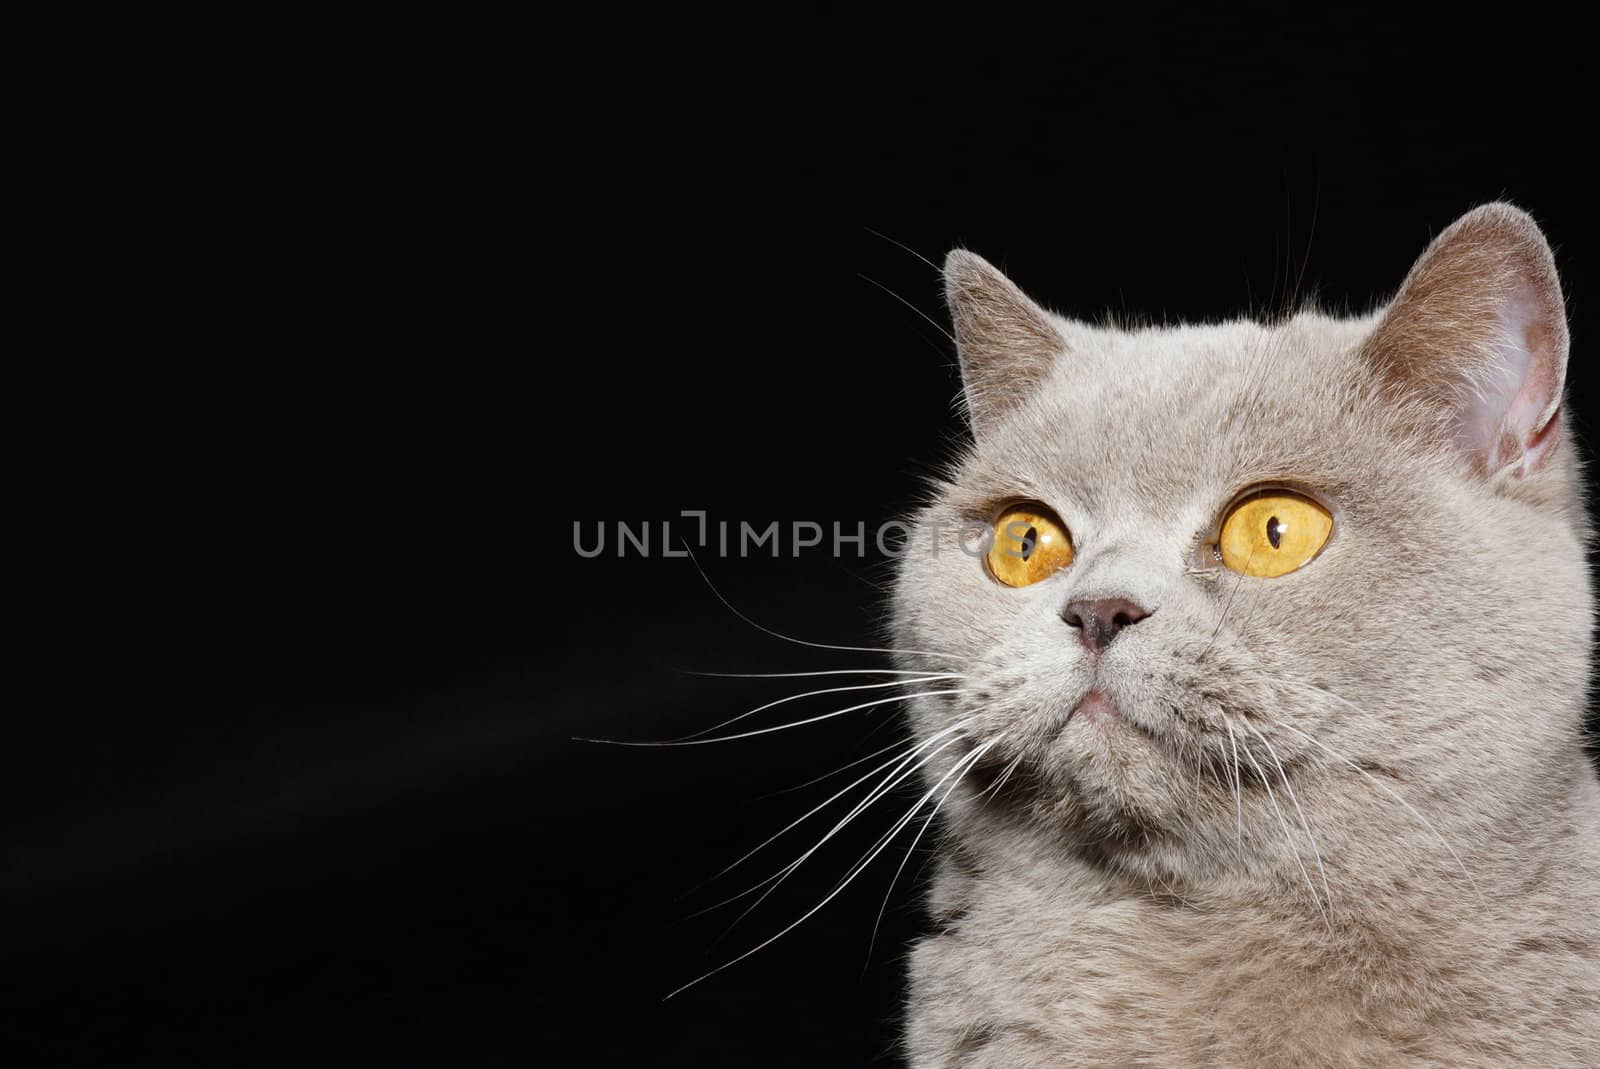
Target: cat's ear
(1006, 342)
(1478, 335)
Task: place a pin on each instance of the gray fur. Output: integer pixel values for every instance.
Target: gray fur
(1096, 908)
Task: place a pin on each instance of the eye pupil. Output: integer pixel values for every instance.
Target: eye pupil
(1030, 540)
(1274, 531)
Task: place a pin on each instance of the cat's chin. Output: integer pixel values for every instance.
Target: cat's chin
(1097, 767)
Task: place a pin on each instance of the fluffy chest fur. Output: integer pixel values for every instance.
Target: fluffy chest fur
(1048, 966)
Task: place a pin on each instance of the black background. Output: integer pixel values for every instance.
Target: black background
(331, 326)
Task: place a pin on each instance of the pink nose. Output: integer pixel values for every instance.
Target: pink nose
(1098, 622)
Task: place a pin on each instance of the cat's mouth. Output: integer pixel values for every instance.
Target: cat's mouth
(1018, 773)
(1090, 753)
(1096, 707)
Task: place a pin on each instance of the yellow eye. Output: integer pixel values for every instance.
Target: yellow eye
(1029, 544)
(1272, 533)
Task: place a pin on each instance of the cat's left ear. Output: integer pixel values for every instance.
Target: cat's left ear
(1006, 342)
(1478, 334)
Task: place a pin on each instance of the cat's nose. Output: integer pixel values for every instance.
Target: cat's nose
(1098, 622)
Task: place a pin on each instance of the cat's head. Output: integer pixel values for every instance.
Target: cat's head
(1320, 556)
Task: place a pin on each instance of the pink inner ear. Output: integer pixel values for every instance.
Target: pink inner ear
(1509, 418)
(1540, 445)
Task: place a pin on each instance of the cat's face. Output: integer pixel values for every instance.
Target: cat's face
(1137, 701)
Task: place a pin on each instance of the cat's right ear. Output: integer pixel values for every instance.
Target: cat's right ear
(1006, 342)
(1476, 341)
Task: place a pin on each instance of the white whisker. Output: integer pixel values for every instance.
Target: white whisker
(926, 318)
(1304, 824)
(896, 776)
(1238, 790)
(1287, 834)
(929, 678)
(908, 754)
(972, 760)
(800, 641)
(959, 767)
(903, 245)
(692, 741)
(1227, 606)
(829, 775)
(1426, 823)
(994, 789)
(828, 672)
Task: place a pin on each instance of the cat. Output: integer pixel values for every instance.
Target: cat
(1268, 746)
